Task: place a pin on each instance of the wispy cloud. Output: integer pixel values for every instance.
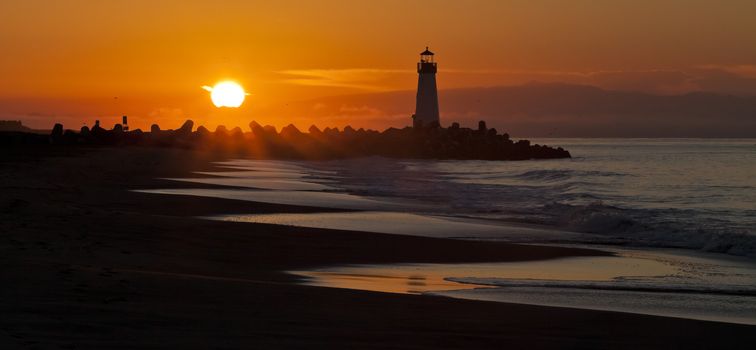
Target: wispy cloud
(744, 70)
(738, 79)
(353, 78)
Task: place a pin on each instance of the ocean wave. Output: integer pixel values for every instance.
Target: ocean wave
(643, 195)
(564, 174)
(653, 228)
(595, 217)
(614, 285)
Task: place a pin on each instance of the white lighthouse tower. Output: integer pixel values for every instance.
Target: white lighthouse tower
(426, 105)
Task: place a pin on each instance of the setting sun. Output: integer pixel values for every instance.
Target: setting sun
(226, 94)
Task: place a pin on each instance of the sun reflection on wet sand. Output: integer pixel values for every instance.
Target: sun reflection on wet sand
(665, 283)
(380, 281)
(421, 278)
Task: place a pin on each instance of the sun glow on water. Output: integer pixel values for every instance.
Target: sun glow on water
(226, 94)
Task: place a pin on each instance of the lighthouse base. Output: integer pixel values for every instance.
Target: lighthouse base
(418, 123)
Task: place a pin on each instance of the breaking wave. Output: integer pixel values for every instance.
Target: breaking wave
(645, 193)
(615, 285)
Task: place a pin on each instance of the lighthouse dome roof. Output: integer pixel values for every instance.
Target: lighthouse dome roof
(426, 52)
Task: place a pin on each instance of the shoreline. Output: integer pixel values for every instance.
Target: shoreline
(636, 284)
(81, 276)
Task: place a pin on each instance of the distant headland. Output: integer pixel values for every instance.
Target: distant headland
(432, 142)
(13, 125)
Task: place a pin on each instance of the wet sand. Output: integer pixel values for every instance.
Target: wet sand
(85, 263)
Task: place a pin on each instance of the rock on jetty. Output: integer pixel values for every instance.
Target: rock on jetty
(260, 141)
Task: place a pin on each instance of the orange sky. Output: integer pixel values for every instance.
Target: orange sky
(74, 61)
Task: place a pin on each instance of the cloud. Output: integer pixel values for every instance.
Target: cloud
(363, 110)
(733, 79)
(743, 70)
(357, 78)
(163, 113)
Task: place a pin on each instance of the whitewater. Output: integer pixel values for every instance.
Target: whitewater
(685, 193)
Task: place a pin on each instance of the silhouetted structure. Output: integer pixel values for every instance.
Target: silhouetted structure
(260, 141)
(13, 125)
(426, 104)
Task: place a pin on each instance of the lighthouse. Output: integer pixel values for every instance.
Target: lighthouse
(426, 104)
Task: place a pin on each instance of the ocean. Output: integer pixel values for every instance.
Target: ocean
(688, 193)
(679, 213)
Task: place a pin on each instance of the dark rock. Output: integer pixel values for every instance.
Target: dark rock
(56, 136)
(270, 130)
(254, 125)
(290, 132)
(185, 129)
(331, 132)
(257, 129)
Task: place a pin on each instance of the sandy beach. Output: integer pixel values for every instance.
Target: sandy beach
(86, 263)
